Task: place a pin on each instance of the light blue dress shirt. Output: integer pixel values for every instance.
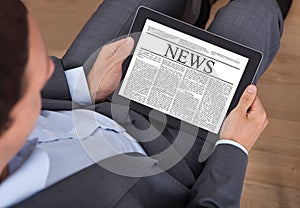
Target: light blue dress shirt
(74, 140)
(68, 141)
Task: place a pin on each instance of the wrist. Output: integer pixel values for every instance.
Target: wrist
(91, 89)
(234, 143)
(96, 94)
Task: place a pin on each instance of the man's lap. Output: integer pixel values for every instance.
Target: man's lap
(113, 19)
(159, 142)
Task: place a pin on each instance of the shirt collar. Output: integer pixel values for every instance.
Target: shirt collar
(22, 155)
(27, 180)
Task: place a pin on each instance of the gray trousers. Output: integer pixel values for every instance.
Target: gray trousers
(254, 23)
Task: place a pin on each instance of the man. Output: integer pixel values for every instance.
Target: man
(25, 70)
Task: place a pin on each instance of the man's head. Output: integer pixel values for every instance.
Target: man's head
(13, 56)
(24, 70)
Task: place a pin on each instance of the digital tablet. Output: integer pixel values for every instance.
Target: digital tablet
(184, 72)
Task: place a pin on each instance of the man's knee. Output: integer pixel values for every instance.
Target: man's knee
(254, 23)
(242, 19)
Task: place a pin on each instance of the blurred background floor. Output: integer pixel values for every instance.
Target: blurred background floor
(273, 175)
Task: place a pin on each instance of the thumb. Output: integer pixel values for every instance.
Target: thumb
(247, 99)
(123, 50)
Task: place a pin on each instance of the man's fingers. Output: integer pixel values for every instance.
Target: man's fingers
(257, 109)
(257, 105)
(123, 50)
(110, 49)
(247, 99)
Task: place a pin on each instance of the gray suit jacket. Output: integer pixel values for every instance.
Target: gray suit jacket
(219, 185)
(215, 183)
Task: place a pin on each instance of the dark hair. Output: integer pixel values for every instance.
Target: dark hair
(14, 52)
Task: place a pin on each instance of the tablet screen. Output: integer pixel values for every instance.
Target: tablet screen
(183, 76)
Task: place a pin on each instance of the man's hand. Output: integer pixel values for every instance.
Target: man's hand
(106, 73)
(247, 121)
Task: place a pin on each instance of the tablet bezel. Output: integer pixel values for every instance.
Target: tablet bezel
(248, 76)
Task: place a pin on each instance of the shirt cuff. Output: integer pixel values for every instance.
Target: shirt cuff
(78, 86)
(231, 142)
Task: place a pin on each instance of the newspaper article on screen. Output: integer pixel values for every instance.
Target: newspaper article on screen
(183, 76)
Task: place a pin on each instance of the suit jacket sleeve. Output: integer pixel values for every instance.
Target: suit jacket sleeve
(221, 182)
(57, 86)
(56, 93)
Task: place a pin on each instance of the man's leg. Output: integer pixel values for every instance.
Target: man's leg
(106, 25)
(112, 19)
(254, 23)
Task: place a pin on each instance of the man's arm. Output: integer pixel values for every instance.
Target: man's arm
(221, 182)
(57, 86)
(101, 81)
